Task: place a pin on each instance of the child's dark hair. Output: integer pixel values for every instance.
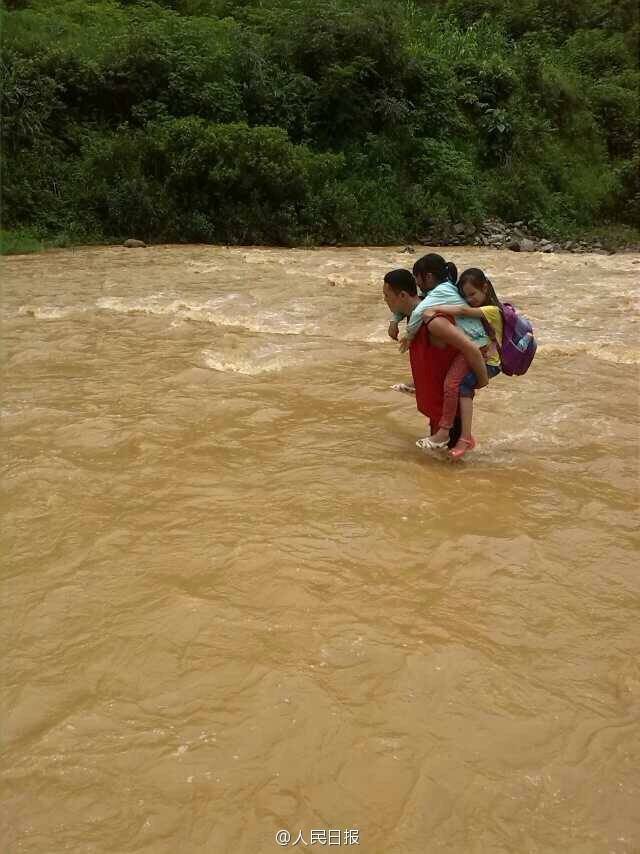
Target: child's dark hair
(441, 270)
(401, 280)
(477, 278)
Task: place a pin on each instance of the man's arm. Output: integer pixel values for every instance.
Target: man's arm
(418, 315)
(415, 321)
(445, 331)
(394, 324)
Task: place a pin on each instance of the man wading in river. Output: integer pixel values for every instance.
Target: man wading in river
(432, 350)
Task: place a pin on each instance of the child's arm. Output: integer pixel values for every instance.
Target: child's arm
(455, 310)
(419, 315)
(413, 324)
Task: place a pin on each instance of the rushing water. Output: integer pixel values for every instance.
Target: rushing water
(239, 599)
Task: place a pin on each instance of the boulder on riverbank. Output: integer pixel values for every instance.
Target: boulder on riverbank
(134, 244)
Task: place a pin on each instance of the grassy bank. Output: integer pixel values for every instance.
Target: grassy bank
(19, 242)
(27, 241)
(611, 238)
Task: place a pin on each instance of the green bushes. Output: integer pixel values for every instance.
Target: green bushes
(285, 121)
(190, 180)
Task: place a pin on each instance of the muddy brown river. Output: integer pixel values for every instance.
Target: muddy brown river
(244, 614)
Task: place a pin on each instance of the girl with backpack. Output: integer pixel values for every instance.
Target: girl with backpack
(511, 350)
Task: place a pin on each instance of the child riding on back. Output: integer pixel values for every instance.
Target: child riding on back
(481, 304)
(436, 279)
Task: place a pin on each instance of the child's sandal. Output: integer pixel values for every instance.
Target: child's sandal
(458, 452)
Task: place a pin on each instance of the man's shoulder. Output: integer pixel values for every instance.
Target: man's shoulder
(441, 321)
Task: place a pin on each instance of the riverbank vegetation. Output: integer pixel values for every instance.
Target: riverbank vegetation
(316, 121)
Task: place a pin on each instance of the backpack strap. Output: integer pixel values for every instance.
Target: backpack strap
(488, 328)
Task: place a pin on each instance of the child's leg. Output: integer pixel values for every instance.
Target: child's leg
(457, 371)
(466, 441)
(466, 416)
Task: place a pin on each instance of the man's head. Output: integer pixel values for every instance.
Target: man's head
(400, 291)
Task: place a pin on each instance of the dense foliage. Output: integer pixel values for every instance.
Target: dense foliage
(293, 121)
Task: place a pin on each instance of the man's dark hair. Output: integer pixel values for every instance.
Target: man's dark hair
(401, 280)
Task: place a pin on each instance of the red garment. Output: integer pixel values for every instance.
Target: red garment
(429, 366)
(456, 373)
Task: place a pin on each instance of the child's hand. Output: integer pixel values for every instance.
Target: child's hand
(404, 344)
(393, 330)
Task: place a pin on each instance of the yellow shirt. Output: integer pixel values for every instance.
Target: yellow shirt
(493, 316)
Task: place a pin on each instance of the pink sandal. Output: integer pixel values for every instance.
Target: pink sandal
(461, 448)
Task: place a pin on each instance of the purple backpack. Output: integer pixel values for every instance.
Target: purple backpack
(518, 344)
